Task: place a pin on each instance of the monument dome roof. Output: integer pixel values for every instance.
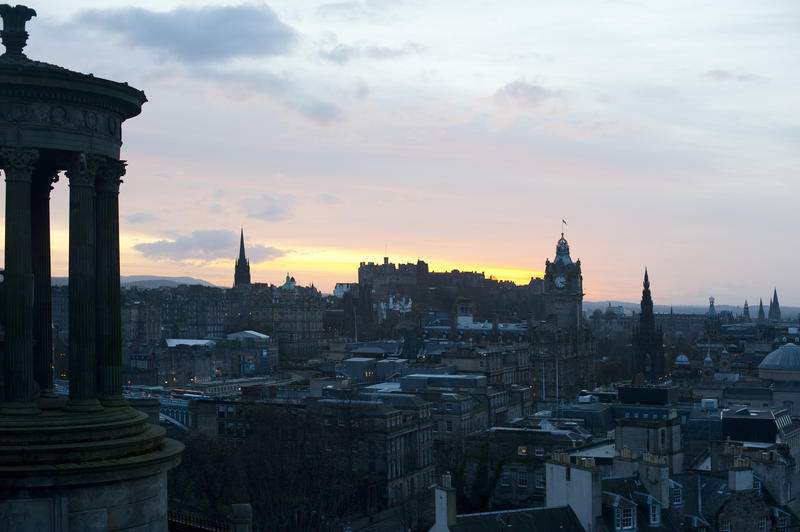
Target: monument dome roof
(682, 359)
(786, 358)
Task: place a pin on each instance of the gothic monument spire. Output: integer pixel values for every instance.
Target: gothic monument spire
(647, 339)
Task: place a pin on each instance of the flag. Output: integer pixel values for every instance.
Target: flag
(563, 221)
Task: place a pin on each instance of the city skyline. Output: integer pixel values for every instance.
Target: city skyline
(337, 133)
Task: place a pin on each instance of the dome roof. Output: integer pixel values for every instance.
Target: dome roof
(786, 357)
(682, 359)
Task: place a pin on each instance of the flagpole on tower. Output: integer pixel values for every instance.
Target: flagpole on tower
(563, 224)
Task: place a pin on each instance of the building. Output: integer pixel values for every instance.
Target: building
(447, 519)
(241, 274)
(563, 289)
(88, 461)
(648, 341)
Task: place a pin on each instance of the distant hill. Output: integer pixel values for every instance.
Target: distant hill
(590, 306)
(145, 281)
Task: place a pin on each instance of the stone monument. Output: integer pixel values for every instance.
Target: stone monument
(89, 462)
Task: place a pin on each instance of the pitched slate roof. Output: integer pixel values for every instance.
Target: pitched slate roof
(549, 519)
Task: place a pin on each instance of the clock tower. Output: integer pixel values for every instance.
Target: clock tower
(563, 288)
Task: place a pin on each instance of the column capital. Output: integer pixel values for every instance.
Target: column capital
(82, 169)
(18, 163)
(108, 176)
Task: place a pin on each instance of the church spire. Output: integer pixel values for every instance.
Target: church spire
(241, 274)
(774, 307)
(241, 245)
(761, 316)
(746, 312)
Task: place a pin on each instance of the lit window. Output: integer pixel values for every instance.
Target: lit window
(522, 479)
(522, 450)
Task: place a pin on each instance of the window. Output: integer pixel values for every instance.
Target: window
(449, 426)
(627, 518)
(783, 523)
(762, 524)
(539, 451)
(448, 406)
(676, 495)
(505, 480)
(725, 526)
(522, 450)
(655, 513)
(435, 426)
(522, 479)
(624, 518)
(756, 484)
(540, 483)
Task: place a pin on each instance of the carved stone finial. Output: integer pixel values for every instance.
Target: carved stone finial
(13, 34)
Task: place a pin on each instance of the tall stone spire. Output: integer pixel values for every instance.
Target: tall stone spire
(646, 317)
(648, 341)
(774, 307)
(746, 312)
(241, 275)
(761, 315)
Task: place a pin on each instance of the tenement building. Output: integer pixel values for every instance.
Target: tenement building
(90, 462)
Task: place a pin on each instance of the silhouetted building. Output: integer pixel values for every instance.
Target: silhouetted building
(774, 307)
(563, 289)
(648, 341)
(241, 275)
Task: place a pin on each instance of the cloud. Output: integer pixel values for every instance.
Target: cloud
(362, 90)
(725, 75)
(342, 53)
(203, 40)
(200, 34)
(271, 209)
(339, 54)
(356, 10)
(329, 199)
(524, 93)
(205, 246)
(281, 88)
(139, 217)
(342, 10)
(258, 253)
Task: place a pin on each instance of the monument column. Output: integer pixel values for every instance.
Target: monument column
(43, 177)
(109, 319)
(19, 390)
(82, 271)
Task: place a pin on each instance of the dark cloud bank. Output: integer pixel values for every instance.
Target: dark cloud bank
(199, 34)
(206, 245)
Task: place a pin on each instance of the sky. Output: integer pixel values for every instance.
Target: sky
(459, 133)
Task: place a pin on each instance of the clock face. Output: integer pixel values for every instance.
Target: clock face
(560, 281)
